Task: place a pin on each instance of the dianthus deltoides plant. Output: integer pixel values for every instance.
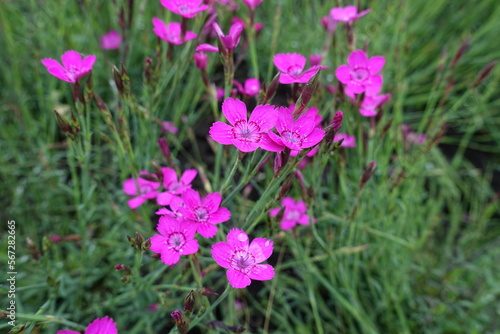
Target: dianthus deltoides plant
(225, 180)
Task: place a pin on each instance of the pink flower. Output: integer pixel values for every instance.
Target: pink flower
(252, 4)
(347, 14)
(315, 59)
(329, 24)
(204, 213)
(349, 141)
(185, 8)
(360, 73)
(251, 87)
(73, 67)
(296, 135)
(173, 186)
(171, 32)
(176, 238)
(291, 65)
(110, 41)
(104, 325)
(206, 48)
(242, 260)
(169, 127)
(372, 103)
(141, 188)
(295, 213)
(230, 41)
(246, 135)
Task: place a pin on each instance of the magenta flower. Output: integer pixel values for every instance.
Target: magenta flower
(200, 60)
(315, 59)
(230, 41)
(246, 135)
(292, 65)
(171, 32)
(104, 325)
(349, 141)
(242, 260)
(360, 73)
(372, 103)
(295, 213)
(347, 14)
(141, 188)
(206, 48)
(204, 213)
(185, 8)
(252, 4)
(173, 186)
(329, 24)
(110, 41)
(296, 135)
(251, 87)
(176, 238)
(73, 66)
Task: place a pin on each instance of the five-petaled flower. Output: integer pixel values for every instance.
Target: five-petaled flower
(142, 188)
(360, 73)
(185, 8)
(204, 213)
(176, 238)
(347, 14)
(242, 259)
(371, 103)
(73, 66)
(171, 32)
(251, 87)
(296, 135)
(231, 40)
(104, 325)
(173, 185)
(292, 65)
(294, 213)
(246, 135)
(110, 41)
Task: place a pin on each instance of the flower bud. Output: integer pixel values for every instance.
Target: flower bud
(306, 95)
(33, 249)
(271, 90)
(200, 60)
(368, 173)
(188, 305)
(484, 73)
(182, 326)
(208, 292)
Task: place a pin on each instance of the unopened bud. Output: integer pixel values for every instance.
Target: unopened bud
(139, 239)
(123, 268)
(146, 245)
(63, 124)
(33, 249)
(188, 305)
(307, 94)
(337, 120)
(285, 187)
(182, 326)
(208, 292)
(162, 142)
(131, 241)
(315, 59)
(368, 173)
(148, 70)
(333, 127)
(484, 73)
(118, 79)
(46, 244)
(200, 60)
(125, 279)
(271, 90)
(460, 52)
(77, 93)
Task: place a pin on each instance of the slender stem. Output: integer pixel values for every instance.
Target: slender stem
(229, 177)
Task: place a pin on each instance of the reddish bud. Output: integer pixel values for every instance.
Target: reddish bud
(271, 90)
(484, 73)
(182, 326)
(33, 249)
(188, 305)
(208, 292)
(306, 95)
(460, 52)
(162, 142)
(367, 174)
(200, 60)
(123, 268)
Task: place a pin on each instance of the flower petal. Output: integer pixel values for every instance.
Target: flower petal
(313, 138)
(207, 230)
(237, 279)
(222, 133)
(221, 252)
(191, 199)
(136, 202)
(71, 59)
(262, 272)
(212, 202)
(188, 176)
(220, 216)
(164, 198)
(56, 69)
(234, 110)
(343, 74)
(100, 326)
(261, 249)
(158, 243)
(284, 61)
(189, 247)
(237, 239)
(357, 58)
(170, 256)
(169, 176)
(375, 64)
(207, 48)
(266, 143)
(245, 146)
(287, 224)
(264, 116)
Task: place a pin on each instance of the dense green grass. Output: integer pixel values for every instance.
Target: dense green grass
(415, 250)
